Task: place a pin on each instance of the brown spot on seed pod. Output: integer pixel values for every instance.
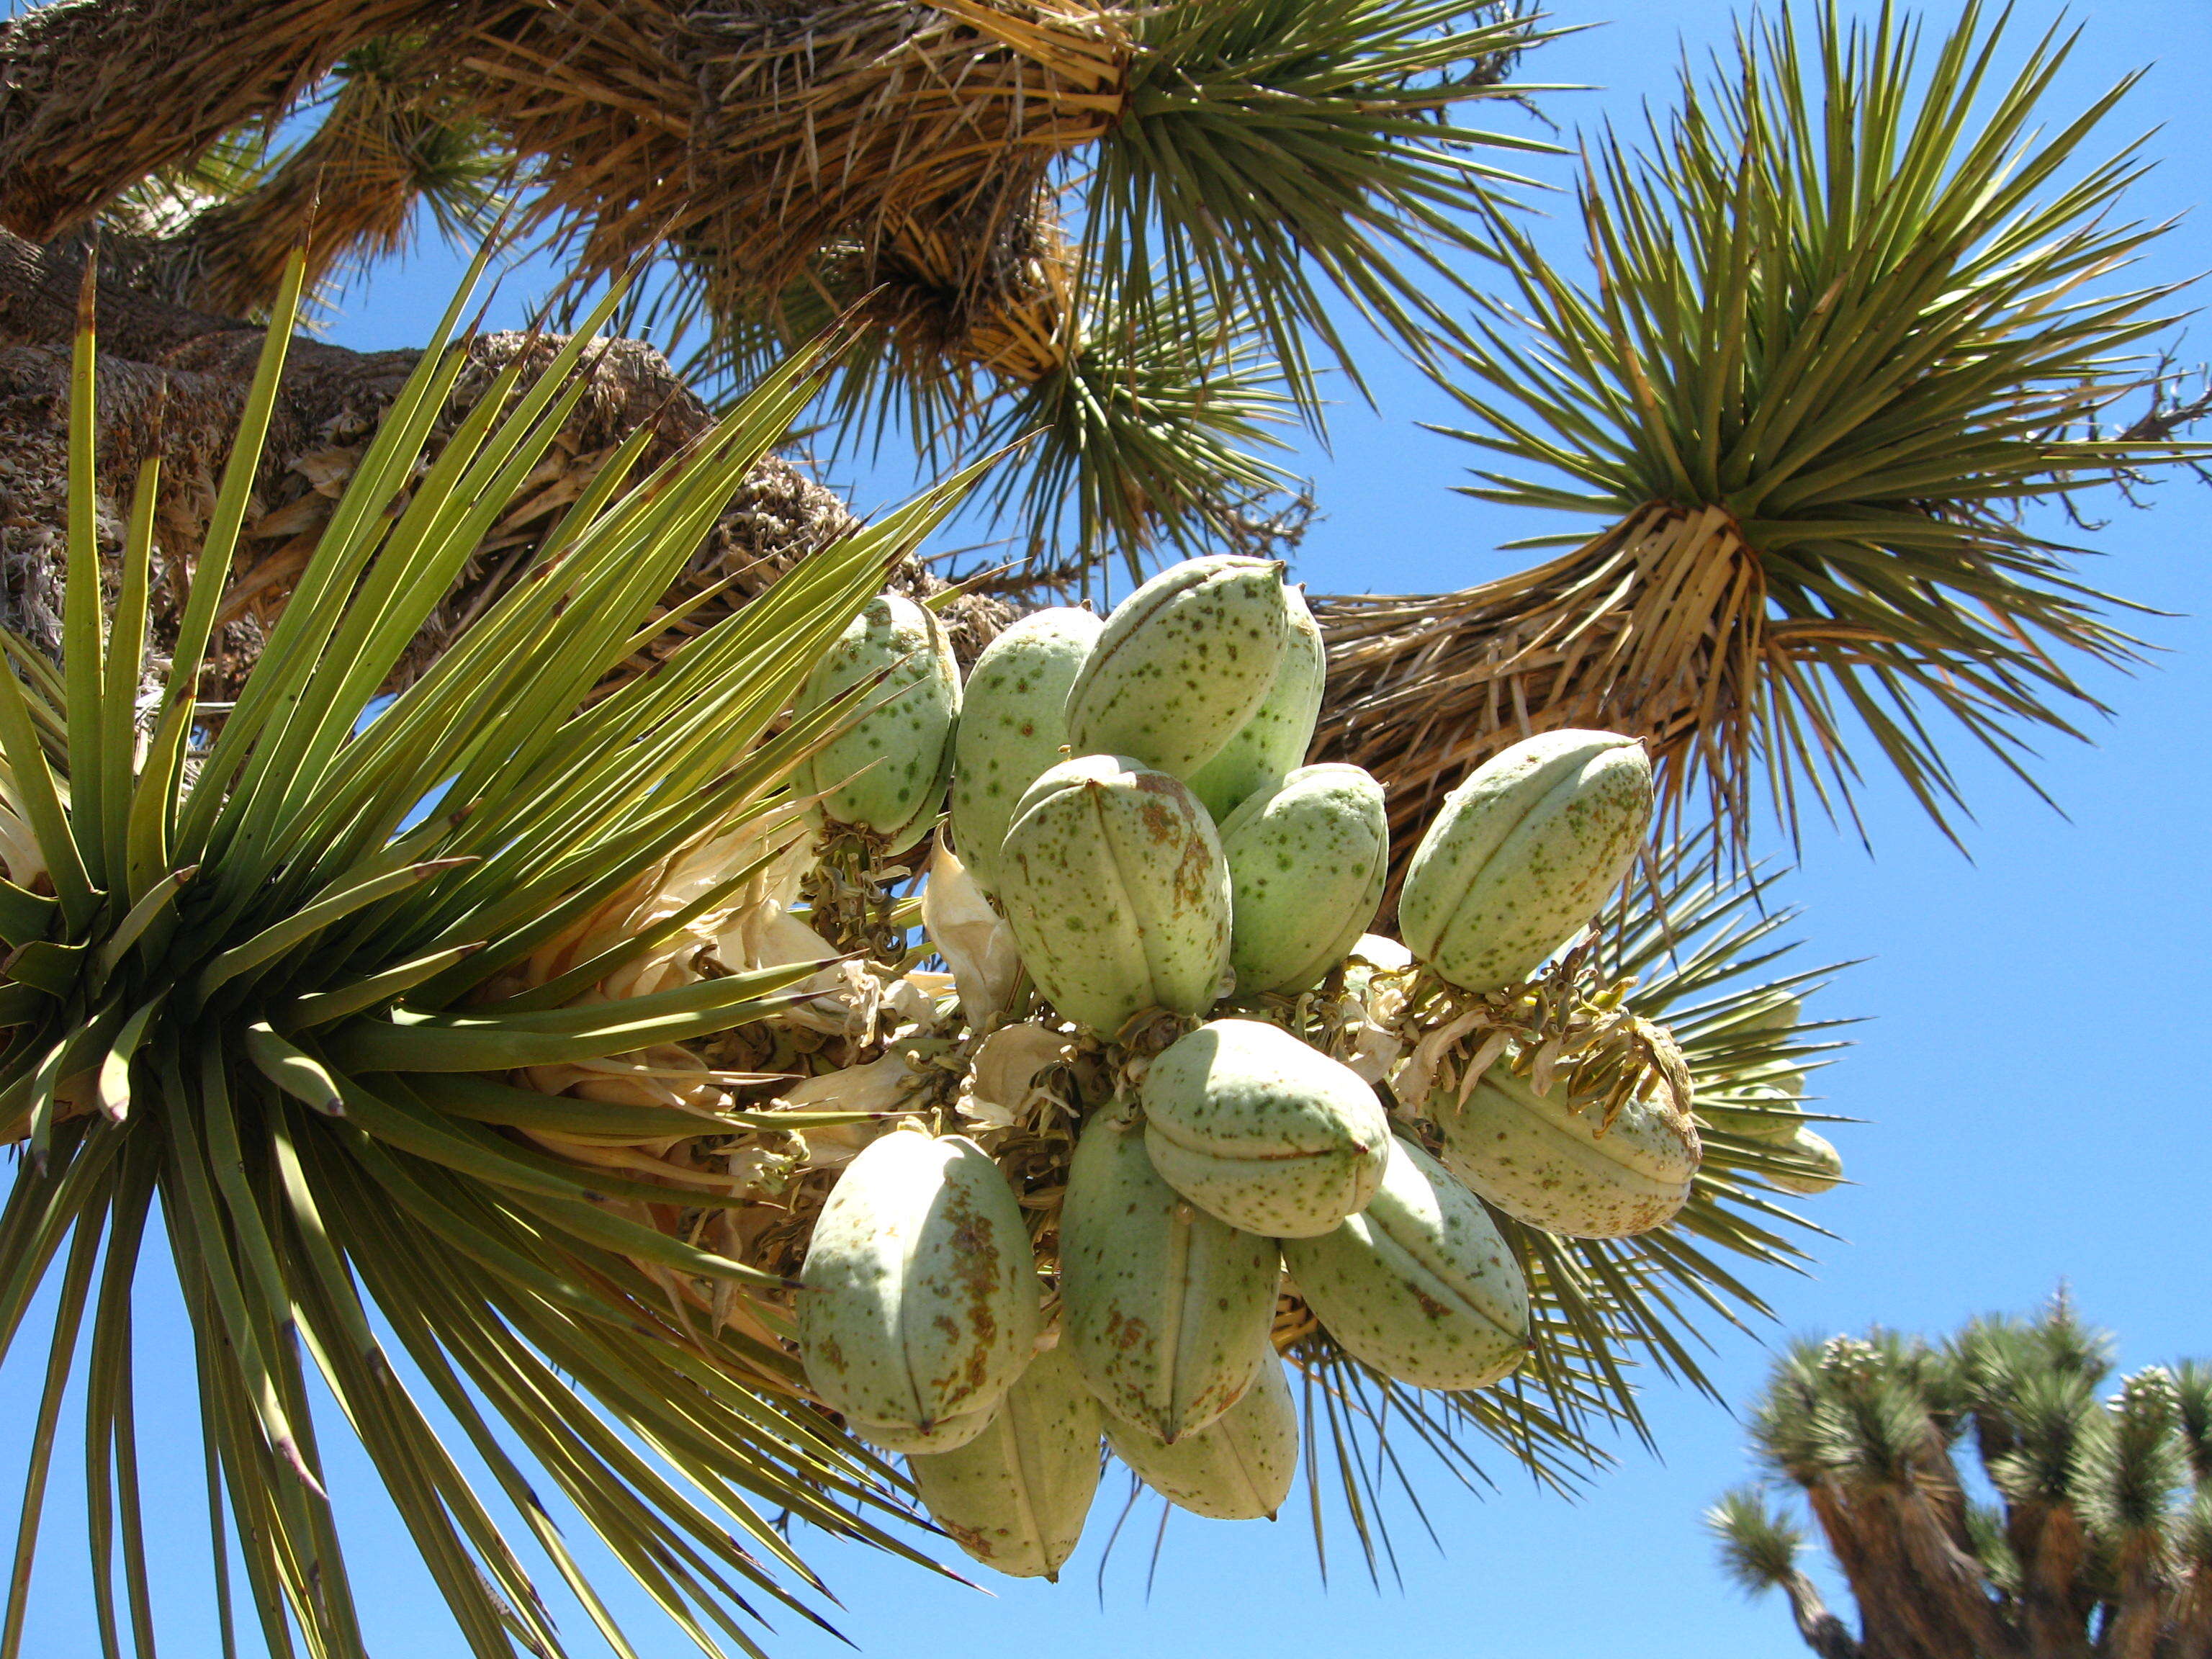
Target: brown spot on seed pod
(976, 1271)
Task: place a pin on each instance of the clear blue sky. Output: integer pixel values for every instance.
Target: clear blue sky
(2031, 1070)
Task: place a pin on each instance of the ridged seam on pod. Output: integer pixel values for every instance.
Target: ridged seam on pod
(1420, 1283)
(1238, 1469)
(1015, 1497)
(1113, 878)
(1013, 721)
(1262, 1130)
(886, 773)
(1307, 862)
(1272, 743)
(919, 1304)
(1162, 1307)
(1522, 853)
(1566, 1171)
(1182, 663)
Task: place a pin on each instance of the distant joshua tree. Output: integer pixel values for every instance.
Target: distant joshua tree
(2098, 1545)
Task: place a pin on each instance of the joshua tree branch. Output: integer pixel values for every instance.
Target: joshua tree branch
(1823, 1632)
(37, 306)
(96, 95)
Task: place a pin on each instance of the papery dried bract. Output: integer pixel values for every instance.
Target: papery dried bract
(664, 1075)
(973, 939)
(1003, 1086)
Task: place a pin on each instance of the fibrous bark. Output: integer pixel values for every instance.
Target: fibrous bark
(94, 95)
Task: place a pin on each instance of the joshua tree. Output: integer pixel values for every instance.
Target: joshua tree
(1841, 331)
(2098, 1545)
(560, 518)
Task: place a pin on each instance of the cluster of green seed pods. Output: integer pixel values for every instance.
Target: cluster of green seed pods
(1131, 795)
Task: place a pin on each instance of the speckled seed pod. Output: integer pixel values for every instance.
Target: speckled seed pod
(1522, 853)
(1113, 881)
(1013, 721)
(1183, 662)
(1307, 862)
(1239, 1469)
(1818, 1167)
(1563, 1171)
(1420, 1283)
(1163, 1307)
(886, 773)
(1263, 1130)
(1015, 1497)
(919, 1301)
(1273, 743)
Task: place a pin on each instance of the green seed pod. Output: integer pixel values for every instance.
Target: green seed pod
(1522, 853)
(1013, 725)
(1784, 1014)
(1784, 1074)
(1273, 743)
(1420, 1283)
(1307, 861)
(1563, 1171)
(1823, 1165)
(1183, 662)
(1264, 1131)
(1755, 1114)
(920, 1297)
(1163, 1306)
(1113, 881)
(1778, 1013)
(1240, 1469)
(1015, 1497)
(904, 743)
